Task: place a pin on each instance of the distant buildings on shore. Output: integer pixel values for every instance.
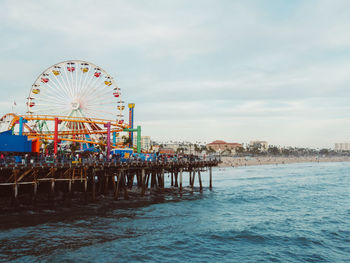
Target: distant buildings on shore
(344, 146)
(262, 145)
(216, 147)
(178, 147)
(254, 147)
(222, 146)
(145, 142)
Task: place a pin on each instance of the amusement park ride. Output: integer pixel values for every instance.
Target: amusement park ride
(74, 102)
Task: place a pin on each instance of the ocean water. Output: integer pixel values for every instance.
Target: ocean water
(284, 213)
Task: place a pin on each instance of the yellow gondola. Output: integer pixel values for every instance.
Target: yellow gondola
(108, 83)
(36, 91)
(55, 72)
(84, 70)
(121, 107)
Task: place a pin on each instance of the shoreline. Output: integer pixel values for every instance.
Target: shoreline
(250, 161)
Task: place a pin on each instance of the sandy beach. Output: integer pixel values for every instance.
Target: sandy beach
(247, 161)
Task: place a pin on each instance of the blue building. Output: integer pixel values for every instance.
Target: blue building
(14, 143)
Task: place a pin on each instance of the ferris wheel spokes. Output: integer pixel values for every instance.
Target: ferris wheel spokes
(75, 88)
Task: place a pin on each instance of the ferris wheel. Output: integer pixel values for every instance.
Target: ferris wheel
(76, 88)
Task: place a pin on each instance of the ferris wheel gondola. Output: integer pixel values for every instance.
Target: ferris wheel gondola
(78, 89)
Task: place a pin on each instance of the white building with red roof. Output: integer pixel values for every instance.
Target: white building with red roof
(221, 146)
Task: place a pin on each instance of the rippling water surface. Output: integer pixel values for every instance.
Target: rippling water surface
(289, 213)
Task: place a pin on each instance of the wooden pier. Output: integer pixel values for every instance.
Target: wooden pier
(22, 184)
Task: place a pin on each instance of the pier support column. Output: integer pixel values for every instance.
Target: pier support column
(118, 186)
(200, 180)
(35, 186)
(162, 180)
(176, 174)
(143, 182)
(153, 179)
(125, 188)
(52, 187)
(15, 188)
(85, 184)
(180, 179)
(93, 185)
(193, 178)
(114, 184)
(52, 192)
(85, 189)
(106, 183)
(210, 178)
(70, 190)
(15, 194)
(148, 176)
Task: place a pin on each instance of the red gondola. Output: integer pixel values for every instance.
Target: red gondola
(121, 122)
(97, 74)
(31, 104)
(44, 80)
(71, 69)
(116, 94)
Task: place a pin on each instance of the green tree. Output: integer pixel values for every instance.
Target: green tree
(197, 149)
(239, 150)
(324, 151)
(126, 140)
(211, 150)
(273, 150)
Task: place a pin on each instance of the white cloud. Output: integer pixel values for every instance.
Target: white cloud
(249, 69)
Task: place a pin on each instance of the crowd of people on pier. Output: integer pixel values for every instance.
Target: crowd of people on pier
(88, 157)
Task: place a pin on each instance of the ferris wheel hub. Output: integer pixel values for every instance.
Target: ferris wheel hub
(75, 105)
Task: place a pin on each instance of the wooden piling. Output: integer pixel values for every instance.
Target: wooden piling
(154, 180)
(85, 189)
(210, 178)
(15, 188)
(93, 185)
(200, 180)
(114, 185)
(176, 176)
(143, 181)
(118, 186)
(148, 176)
(35, 186)
(180, 179)
(193, 178)
(52, 192)
(124, 186)
(106, 183)
(85, 184)
(70, 189)
(162, 179)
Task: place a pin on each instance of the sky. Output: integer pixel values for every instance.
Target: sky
(197, 70)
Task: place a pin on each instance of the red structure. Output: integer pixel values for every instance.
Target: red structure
(55, 140)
